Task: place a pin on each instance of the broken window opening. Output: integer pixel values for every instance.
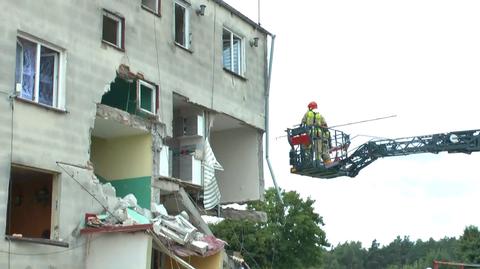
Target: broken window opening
(121, 152)
(233, 52)
(113, 30)
(182, 32)
(229, 154)
(32, 196)
(124, 159)
(152, 5)
(37, 72)
(137, 97)
(188, 140)
(238, 148)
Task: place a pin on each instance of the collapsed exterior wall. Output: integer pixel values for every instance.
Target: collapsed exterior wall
(40, 136)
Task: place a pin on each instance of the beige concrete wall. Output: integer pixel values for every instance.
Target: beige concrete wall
(210, 262)
(240, 153)
(122, 157)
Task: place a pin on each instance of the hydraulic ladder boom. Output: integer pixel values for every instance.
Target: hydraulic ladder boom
(305, 162)
(453, 142)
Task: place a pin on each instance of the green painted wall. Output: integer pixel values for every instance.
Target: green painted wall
(139, 186)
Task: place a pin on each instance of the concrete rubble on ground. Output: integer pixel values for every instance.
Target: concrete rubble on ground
(175, 232)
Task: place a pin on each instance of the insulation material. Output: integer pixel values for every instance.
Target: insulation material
(184, 238)
(159, 209)
(210, 185)
(199, 246)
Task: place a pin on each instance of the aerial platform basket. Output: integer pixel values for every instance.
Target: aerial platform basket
(303, 152)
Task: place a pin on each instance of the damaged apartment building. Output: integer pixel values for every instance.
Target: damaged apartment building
(121, 123)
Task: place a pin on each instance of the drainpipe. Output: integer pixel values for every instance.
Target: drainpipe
(267, 110)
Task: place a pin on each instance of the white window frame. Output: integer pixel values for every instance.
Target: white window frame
(151, 86)
(58, 98)
(186, 25)
(157, 7)
(241, 62)
(120, 31)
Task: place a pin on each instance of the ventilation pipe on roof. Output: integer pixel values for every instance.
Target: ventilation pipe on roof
(267, 109)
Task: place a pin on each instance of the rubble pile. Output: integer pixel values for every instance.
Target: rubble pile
(176, 232)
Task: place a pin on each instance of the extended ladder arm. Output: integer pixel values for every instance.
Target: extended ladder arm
(452, 142)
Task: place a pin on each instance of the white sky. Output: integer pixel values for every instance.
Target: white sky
(417, 59)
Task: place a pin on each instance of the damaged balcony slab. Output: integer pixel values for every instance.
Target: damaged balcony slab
(181, 201)
(174, 184)
(166, 185)
(41, 241)
(251, 215)
(107, 113)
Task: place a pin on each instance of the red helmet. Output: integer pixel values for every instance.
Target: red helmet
(312, 105)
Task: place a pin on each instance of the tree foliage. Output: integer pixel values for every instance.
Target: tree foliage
(402, 253)
(291, 238)
(469, 244)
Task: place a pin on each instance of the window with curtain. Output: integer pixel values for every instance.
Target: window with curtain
(37, 72)
(233, 52)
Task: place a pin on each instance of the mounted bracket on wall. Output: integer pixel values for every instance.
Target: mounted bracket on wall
(201, 10)
(254, 42)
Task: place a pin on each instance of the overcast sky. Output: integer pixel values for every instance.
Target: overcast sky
(417, 59)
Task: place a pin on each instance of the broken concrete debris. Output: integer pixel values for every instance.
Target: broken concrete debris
(176, 232)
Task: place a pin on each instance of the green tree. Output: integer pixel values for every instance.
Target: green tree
(397, 252)
(469, 244)
(374, 259)
(351, 255)
(291, 238)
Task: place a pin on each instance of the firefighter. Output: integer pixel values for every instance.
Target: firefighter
(320, 133)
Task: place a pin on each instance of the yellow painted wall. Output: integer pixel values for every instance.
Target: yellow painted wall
(210, 262)
(123, 157)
